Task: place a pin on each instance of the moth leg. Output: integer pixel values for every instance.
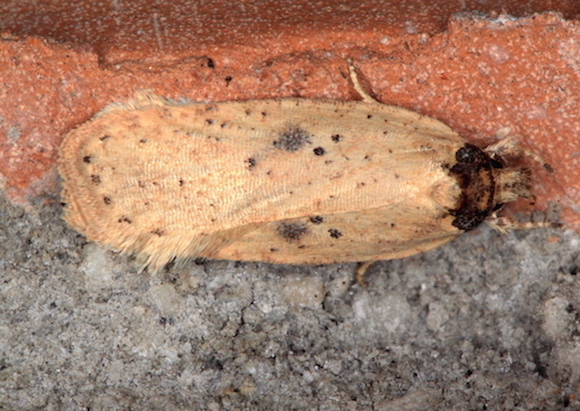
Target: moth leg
(509, 146)
(504, 224)
(357, 85)
(361, 271)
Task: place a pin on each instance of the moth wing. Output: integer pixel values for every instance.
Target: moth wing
(384, 233)
(419, 123)
(170, 180)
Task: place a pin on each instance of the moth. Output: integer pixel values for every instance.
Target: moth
(289, 181)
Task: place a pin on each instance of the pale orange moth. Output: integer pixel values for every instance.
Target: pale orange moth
(290, 181)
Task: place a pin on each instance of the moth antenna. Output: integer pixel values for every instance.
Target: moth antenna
(354, 77)
(509, 146)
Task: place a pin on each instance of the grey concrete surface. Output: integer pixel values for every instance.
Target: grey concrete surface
(489, 322)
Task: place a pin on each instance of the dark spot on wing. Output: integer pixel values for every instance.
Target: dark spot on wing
(317, 219)
(251, 162)
(319, 151)
(292, 139)
(334, 233)
(292, 231)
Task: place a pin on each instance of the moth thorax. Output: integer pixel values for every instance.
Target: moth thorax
(512, 183)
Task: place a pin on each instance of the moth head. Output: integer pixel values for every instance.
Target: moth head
(512, 183)
(485, 186)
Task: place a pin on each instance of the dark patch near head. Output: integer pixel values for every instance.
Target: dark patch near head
(334, 233)
(292, 231)
(469, 155)
(158, 232)
(107, 200)
(105, 137)
(495, 163)
(319, 151)
(317, 219)
(336, 138)
(474, 175)
(292, 139)
(87, 159)
(125, 219)
(251, 162)
(210, 63)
